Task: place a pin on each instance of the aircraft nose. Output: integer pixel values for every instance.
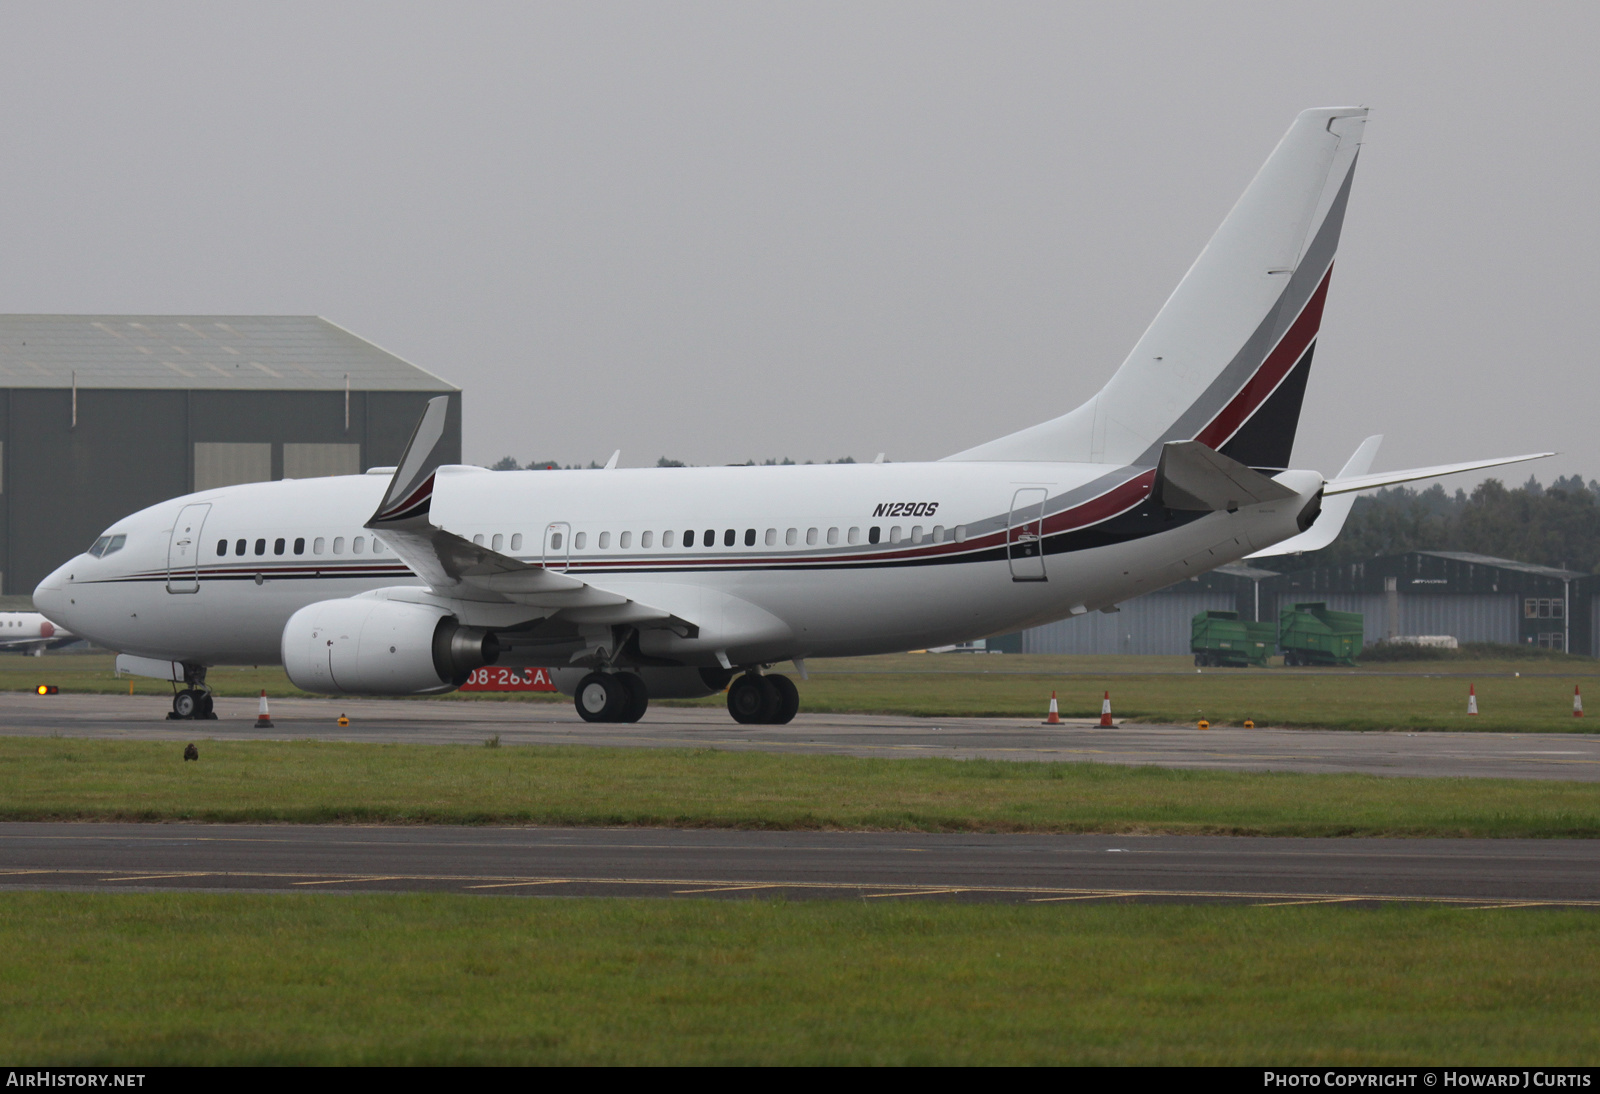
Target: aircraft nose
(50, 595)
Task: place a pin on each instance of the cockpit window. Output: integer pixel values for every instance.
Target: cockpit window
(107, 545)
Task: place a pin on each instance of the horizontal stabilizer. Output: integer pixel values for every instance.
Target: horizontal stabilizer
(1195, 478)
(1335, 511)
(1351, 485)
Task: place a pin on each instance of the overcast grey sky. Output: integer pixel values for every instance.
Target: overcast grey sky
(721, 231)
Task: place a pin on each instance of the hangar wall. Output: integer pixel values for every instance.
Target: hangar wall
(77, 455)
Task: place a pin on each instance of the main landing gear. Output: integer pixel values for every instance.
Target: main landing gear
(612, 697)
(757, 700)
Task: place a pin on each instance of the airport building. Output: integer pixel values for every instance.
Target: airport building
(1471, 598)
(1157, 622)
(102, 415)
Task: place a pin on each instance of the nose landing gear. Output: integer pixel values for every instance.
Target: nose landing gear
(770, 700)
(192, 705)
(194, 702)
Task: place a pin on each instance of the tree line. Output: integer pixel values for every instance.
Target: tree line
(1556, 525)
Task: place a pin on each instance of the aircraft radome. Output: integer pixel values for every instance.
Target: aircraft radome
(632, 583)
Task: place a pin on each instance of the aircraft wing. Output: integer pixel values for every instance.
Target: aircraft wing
(1343, 485)
(456, 567)
(1193, 477)
(1339, 493)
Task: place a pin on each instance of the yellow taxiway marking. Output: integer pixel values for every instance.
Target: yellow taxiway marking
(156, 877)
(353, 880)
(733, 888)
(515, 884)
(914, 892)
(1312, 900)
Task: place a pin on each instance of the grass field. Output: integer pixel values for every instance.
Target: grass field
(1408, 695)
(147, 979)
(314, 782)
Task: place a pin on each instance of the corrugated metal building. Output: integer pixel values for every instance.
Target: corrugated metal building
(1158, 622)
(101, 415)
(1473, 598)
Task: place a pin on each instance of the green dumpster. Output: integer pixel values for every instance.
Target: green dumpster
(1310, 634)
(1222, 638)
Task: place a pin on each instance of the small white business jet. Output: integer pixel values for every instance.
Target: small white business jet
(681, 582)
(31, 632)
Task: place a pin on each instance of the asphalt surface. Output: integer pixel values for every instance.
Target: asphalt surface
(1573, 757)
(868, 866)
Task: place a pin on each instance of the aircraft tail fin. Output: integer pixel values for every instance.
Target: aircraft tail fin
(1225, 361)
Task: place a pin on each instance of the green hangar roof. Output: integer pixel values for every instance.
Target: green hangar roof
(215, 352)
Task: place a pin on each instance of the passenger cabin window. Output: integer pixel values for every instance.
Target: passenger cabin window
(727, 537)
(749, 537)
(278, 546)
(625, 540)
(516, 542)
(916, 533)
(222, 548)
(667, 538)
(338, 545)
(833, 537)
(872, 534)
(497, 542)
(938, 533)
(894, 534)
(478, 539)
(358, 545)
(772, 537)
(854, 535)
(261, 546)
(555, 541)
(811, 537)
(605, 540)
(238, 547)
(580, 540)
(791, 537)
(300, 545)
(647, 539)
(317, 547)
(688, 538)
(961, 533)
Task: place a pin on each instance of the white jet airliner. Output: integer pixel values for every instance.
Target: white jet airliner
(680, 582)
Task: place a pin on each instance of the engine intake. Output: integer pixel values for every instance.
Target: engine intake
(367, 646)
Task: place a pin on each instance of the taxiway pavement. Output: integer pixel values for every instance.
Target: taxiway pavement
(869, 866)
(1498, 755)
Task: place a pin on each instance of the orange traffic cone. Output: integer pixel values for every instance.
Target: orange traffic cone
(1055, 715)
(262, 720)
(1472, 699)
(1105, 710)
(1577, 702)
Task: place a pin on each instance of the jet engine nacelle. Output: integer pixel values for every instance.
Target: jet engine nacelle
(364, 646)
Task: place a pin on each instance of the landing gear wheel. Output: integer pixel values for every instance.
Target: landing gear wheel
(788, 699)
(206, 708)
(600, 697)
(184, 705)
(638, 698)
(753, 700)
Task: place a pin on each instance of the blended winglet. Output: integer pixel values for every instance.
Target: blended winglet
(1334, 512)
(411, 490)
